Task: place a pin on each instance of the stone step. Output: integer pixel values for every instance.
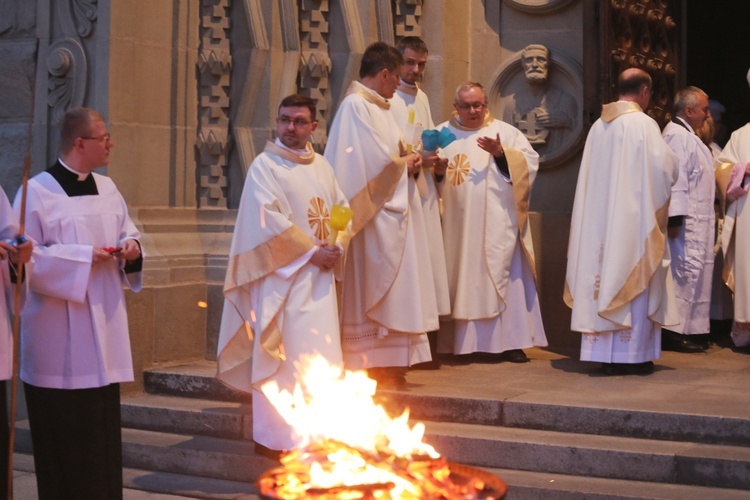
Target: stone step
(522, 485)
(196, 380)
(479, 445)
(172, 486)
(592, 456)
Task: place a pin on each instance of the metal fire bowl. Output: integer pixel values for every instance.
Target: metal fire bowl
(461, 474)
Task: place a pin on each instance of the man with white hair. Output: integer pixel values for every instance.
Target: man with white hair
(691, 223)
(733, 181)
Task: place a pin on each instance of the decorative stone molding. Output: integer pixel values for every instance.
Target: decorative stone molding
(214, 71)
(407, 13)
(315, 63)
(537, 6)
(66, 61)
(512, 100)
(78, 17)
(384, 13)
(67, 67)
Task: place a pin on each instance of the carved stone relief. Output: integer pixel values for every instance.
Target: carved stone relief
(214, 71)
(642, 35)
(66, 61)
(541, 94)
(315, 63)
(407, 14)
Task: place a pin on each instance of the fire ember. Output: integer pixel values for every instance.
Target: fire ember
(351, 449)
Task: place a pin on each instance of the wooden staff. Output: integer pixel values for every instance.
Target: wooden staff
(16, 329)
(17, 311)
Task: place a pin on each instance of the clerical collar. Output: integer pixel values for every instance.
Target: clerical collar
(302, 156)
(368, 94)
(81, 176)
(71, 182)
(456, 123)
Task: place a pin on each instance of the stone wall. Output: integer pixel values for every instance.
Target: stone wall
(190, 90)
(18, 47)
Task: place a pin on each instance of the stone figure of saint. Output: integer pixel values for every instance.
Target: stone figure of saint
(541, 111)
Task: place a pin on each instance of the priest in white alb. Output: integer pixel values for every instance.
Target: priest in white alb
(411, 109)
(618, 280)
(388, 290)
(280, 296)
(488, 247)
(733, 184)
(691, 223)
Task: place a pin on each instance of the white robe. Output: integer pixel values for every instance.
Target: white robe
(736, 238)
(8, 229)
(692, 250)
(494, 302)
(388, 299)
(618, 277)
(414, 98)
(74, 328)
(288, 303)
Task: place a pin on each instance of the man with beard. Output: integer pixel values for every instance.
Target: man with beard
(280, 278)
(410, 102)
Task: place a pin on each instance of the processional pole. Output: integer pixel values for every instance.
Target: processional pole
(17, 297)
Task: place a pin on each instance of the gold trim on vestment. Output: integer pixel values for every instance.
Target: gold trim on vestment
(408, 90)
(369, 200)
(567, 296)
(488, 119)
(368, 94)
(614, 109)
(640, 276)
(519, 176)
(306, 159)
(723, 173)
(277, 252)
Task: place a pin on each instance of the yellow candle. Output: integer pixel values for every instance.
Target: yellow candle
(411, 116)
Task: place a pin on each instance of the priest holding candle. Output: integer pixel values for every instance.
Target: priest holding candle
(280, 296)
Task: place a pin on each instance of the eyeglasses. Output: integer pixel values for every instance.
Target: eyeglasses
(474, 105)
(106, 138)
(298, 122)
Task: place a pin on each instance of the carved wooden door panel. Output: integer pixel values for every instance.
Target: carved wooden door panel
(633, 33)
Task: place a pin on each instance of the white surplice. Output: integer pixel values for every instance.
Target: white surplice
(489, 253)
(74, 328)
(736, 232)
(388, 302)
(618, 280)
(692, 250)
(412, 97)
(8, 229)
(279, 306)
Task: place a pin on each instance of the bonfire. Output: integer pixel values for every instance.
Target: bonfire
(350, 448)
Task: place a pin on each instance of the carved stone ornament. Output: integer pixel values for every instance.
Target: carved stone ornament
(537, 6)
(550, 113)
(66, 65)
